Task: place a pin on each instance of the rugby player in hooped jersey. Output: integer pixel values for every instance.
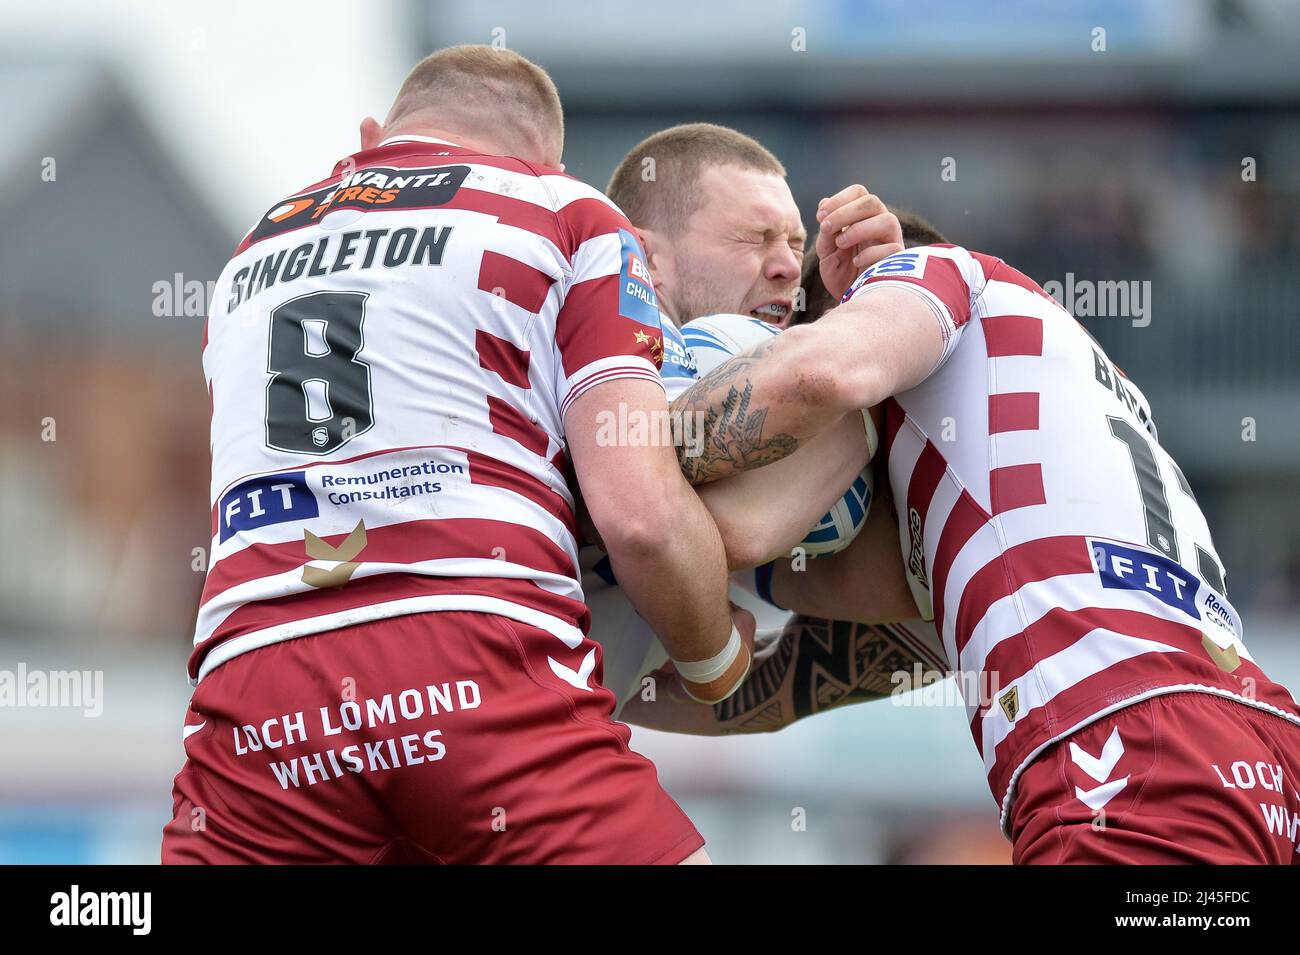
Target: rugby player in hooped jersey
(723, 234)
(1058, 549)
(390, 656)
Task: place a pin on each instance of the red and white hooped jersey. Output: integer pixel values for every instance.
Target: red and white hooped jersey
(1057, 546)
(389, 355)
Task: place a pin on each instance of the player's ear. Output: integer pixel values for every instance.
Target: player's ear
(372, 134)
(656, 248)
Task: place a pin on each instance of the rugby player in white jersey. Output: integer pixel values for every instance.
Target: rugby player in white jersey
(1057, 547)
(809, 662)
(403, 360)
(723, 234)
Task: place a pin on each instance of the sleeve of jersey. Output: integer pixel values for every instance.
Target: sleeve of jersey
(678, 371)
(608, 324)
(948, 278)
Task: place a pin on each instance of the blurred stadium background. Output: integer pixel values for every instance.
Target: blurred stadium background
(143, 138)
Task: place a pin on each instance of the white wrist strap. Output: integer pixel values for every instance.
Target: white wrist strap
(706, 671)
(686, 687)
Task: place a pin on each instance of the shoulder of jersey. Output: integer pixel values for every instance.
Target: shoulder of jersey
(972, 269)
(568, 190)
(547, 187)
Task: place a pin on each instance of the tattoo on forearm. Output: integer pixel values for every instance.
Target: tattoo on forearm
(733, 430)
(818, 665)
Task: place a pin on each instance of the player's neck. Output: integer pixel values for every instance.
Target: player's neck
(424, 131)
(480, 144)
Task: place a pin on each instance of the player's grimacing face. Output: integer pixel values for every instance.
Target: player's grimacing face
(741, 250)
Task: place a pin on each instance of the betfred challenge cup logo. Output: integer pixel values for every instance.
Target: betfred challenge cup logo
(637, 270)
(636, 288)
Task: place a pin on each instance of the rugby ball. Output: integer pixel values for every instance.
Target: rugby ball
(837, 528)
(713, 339)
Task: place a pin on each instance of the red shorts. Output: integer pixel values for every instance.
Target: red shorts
(1180, 778)
(439, 737)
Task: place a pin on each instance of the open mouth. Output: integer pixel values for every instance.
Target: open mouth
(772, 312)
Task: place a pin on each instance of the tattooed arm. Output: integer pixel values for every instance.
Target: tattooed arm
(762, 514)
(734, 437)
(759, 406)
(817, 665)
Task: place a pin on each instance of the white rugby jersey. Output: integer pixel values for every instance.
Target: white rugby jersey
(389, 356)
(1057, 546)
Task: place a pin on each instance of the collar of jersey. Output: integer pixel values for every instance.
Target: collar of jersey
(394, 147)
(419, 139)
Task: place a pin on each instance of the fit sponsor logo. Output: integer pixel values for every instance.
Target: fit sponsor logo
(261, 501)
(296, 496)
(1127, 568)
(78, 908)
(22, 688)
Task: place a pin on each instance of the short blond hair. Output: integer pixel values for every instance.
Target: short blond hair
(666, 200)
(473, 84)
